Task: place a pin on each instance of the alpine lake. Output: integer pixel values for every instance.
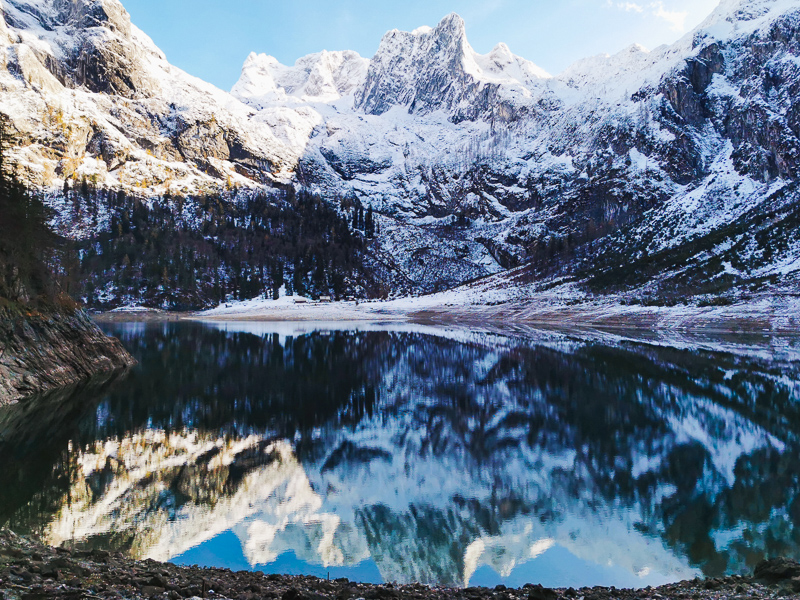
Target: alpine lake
(411, 453)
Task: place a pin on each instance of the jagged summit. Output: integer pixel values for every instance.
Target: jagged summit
(432, 69)
(425, 70)
(414, 69)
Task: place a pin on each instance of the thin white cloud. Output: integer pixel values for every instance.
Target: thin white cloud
(626, 6)
(630, 7)
(676, 19)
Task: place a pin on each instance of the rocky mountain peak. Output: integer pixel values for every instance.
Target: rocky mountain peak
(321, 77)
(432, 69)
(258, 78)
(452, 26)
(505, 65)
(84, 43)
(501, 53)
(109, 14)
(94, 97)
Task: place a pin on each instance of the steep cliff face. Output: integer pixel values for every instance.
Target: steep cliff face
(436, 69)
(42, 350)
(92, 96)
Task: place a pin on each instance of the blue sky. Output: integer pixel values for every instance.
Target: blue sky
(211, 38)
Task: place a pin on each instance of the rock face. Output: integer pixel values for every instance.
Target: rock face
(775, 570)
(436, 69)
(90, 95)
(41, 351)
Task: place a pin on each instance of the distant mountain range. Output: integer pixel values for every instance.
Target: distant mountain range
(663, 175)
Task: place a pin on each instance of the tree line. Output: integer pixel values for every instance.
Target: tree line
(193, 252)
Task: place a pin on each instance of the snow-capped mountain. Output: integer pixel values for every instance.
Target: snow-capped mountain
(431, 70)
(475, 163)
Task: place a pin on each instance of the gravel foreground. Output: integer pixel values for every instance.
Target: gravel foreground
(30, 570)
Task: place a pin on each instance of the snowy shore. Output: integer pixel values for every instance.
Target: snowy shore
(775, 314)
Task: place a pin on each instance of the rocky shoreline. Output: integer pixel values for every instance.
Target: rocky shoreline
(30, 570)
(44, 349)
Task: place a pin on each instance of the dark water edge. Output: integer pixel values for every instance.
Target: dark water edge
(435, 455)
(29, 569)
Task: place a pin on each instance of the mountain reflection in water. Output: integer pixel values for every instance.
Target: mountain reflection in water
(444, 457)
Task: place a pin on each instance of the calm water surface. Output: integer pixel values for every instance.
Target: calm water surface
(445, 457)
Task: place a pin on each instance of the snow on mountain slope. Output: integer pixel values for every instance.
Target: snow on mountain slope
(293, 102)
(611, 142)
(734, 18)
(487, 156)
(508, 67)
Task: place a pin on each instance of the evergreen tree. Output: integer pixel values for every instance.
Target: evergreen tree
(277, 280)
(369, 224)
(193, 252)
(319, 276)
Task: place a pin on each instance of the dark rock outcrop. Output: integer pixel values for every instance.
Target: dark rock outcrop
(781, 572)
(42, 350)
(774, 570)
